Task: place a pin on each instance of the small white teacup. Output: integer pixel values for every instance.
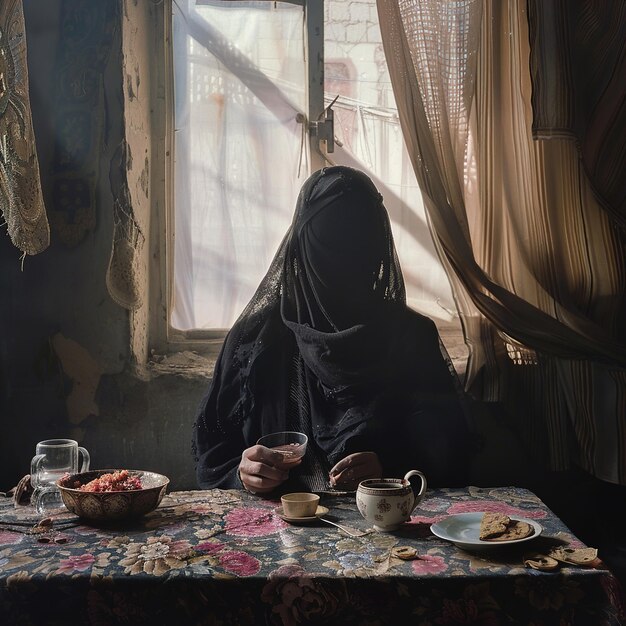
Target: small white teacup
(300, 504)
(386, 503)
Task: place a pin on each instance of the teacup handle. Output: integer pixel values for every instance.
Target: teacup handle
(420, 495)
(86, 459)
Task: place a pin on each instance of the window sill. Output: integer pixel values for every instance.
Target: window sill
(185, 363)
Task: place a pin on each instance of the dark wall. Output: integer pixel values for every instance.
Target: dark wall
(64, 355)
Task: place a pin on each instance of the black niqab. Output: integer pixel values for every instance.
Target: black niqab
(328, 346)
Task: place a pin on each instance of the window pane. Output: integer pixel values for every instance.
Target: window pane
(240, 153)
(239, 83)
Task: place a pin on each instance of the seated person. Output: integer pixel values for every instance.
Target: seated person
(328, 347)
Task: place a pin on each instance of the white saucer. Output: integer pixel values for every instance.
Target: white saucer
(321, 510)
(463, 530)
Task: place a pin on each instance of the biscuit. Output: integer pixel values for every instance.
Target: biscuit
(500, 527)
(574, 556)
(540, 562)
(515, 530)
(493, 525)
(406, 553)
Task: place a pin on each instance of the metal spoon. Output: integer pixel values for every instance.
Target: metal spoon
(353, 532)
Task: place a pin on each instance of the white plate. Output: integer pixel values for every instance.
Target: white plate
(463, 530)
(321, 510)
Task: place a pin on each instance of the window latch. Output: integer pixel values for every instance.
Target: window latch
(324, 128)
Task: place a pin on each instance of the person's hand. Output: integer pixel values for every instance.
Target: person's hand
(354, 468)
(261, 470)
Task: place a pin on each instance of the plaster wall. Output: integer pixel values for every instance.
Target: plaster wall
(65, 362)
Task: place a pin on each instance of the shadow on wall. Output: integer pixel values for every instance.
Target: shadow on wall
(64, 347)
(146, 425)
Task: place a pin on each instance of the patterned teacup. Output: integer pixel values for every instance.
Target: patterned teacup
(386, 503)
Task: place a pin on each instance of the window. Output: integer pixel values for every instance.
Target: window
(246, 81)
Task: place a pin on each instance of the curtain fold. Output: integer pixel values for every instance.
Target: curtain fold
(21, 200)
(536, 265)
(578, 71)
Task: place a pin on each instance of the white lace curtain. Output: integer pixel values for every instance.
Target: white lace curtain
(536, 264)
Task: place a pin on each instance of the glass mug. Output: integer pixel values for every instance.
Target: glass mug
(53, 459)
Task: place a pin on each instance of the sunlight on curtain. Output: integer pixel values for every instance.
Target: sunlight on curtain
(538, 268)
(369, 137)
(239, 86)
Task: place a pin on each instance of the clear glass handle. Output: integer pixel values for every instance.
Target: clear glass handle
(86, 459)
(35, 464)
(46, 500)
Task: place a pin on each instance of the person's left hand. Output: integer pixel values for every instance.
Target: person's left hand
(351, 470)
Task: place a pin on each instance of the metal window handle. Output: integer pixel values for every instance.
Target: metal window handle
(324, 129)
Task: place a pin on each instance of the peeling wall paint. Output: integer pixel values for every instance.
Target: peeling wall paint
(84, 372)
(137, 28)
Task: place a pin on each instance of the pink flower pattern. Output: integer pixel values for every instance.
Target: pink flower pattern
(210, 547)
(239, 563)
(424, 519)
(253, 522)
(429, 564)
(76, 563)
(7, 538)
(475, 506)
(233, 561)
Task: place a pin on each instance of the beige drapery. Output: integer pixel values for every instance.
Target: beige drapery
(578, 71)
(537, 267)
(21, 200)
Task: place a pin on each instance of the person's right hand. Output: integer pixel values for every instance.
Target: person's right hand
(261, 470)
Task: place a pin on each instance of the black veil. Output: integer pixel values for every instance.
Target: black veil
(327, 345)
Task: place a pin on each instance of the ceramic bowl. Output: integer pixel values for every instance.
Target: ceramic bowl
(112, 506)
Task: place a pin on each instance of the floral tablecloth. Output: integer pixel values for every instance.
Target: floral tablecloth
(226, 557)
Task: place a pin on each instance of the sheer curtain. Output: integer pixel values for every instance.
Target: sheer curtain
(241, 156)
(537, 266)
(239, 153)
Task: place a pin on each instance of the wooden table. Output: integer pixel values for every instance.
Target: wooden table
(226, 557)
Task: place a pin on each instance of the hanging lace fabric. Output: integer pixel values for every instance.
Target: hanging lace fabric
(21, 199)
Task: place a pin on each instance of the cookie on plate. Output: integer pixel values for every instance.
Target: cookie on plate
(515, 530)
(493, 525)
(500, 527)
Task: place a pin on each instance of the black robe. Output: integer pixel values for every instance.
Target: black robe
(328, 346)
